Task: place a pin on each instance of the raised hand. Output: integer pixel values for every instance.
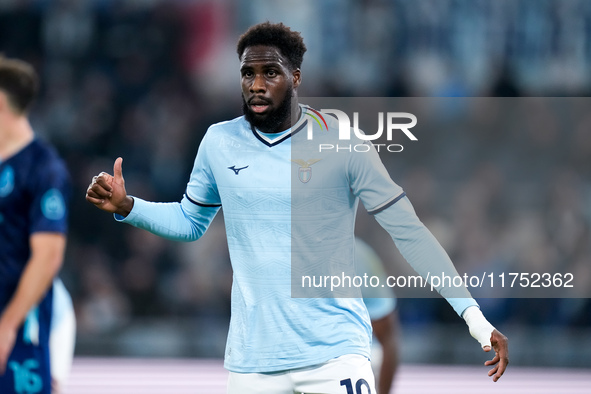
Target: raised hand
(108, 193)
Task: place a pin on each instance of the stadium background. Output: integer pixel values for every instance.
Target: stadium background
(143, 79)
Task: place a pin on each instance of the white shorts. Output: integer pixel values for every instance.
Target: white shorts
(348, 374)
(62, 337)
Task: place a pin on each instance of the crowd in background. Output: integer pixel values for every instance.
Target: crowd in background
(144, 79)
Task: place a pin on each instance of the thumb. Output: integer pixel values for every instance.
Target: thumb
(117, 170)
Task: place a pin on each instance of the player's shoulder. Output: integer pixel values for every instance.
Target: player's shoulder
(46, 157)
(330, 121)
(42, 167)
(43, 150)
(228, 133)
(327, 127)
(228, 126)
(326, 120)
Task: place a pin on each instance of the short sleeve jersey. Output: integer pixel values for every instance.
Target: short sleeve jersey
(34, 191)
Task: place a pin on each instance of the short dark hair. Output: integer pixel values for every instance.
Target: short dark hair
(19, 81)
(290, 43)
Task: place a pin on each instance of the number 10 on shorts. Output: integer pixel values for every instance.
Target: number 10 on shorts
(358, 386)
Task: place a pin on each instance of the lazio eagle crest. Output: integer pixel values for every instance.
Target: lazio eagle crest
(305, 170)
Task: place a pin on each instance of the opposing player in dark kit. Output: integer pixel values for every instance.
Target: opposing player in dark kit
(34, 190)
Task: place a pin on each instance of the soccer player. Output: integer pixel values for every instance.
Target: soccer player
(381, 306)
(284, 211)
(34, 190)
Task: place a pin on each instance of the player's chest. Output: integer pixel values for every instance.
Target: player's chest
(14, 196)
(252, 168)
(278, 168)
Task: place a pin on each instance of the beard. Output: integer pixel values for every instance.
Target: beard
(272, 121)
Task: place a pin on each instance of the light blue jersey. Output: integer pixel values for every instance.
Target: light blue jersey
(287, 208)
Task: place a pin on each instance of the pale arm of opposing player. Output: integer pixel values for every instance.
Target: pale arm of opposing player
(47, 253)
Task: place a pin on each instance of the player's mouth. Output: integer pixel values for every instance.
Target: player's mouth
(258, 106)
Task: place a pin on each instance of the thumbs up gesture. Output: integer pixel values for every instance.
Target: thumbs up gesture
(108, 193)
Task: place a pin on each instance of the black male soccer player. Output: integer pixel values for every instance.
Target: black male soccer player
(34, 189)
(285, 208)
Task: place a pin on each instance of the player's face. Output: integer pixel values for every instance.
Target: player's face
(268, 84)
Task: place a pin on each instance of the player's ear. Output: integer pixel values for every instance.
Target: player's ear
(297, 77)
(5, 104)
(3, 101)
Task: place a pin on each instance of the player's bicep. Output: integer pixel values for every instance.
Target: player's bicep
(371, 182)
(202, 186)
(200, 214)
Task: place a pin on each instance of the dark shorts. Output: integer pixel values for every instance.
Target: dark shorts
(28, 369)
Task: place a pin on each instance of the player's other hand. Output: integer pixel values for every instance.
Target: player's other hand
(500, 344)
(7, 338)
(108, 193)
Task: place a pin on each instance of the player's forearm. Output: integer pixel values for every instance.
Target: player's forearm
(422, 251)
(33, 285)
(44, 264)
(175, 221)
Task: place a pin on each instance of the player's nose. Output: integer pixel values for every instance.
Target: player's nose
(258, 84)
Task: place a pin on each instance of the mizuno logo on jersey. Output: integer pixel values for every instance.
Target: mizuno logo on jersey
(305, 172)
(236, 170)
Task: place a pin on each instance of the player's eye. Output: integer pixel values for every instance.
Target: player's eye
(247, 74)
(271, 73)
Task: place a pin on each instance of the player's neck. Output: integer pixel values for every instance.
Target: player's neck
(289, 122)
(15, 134)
